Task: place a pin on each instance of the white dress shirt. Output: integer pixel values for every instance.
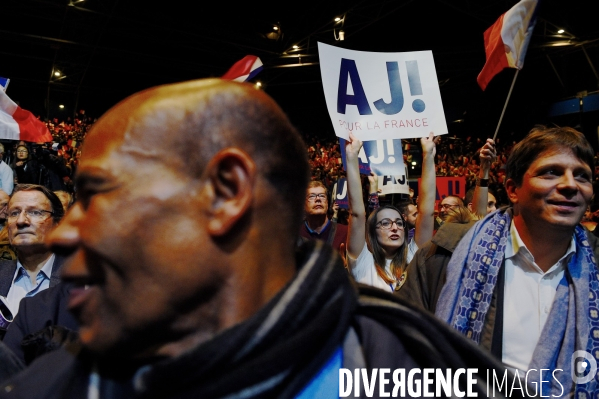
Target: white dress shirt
(528, 297)
(21, 284)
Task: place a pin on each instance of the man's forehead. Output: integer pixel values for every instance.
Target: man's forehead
(316, 190)
(561, 153)
(117, 137)
(30, 196)
(449, 201)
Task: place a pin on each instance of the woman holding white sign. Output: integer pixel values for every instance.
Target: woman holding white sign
(377, 248)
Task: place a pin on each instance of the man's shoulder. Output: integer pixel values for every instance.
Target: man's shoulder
(7, 267)
(57, 370)
(449, 235)
(423, 335)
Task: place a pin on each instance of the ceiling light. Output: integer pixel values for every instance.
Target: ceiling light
(337, 19)
(57, 73)
(561, 31)
(295, 47)
(258, 84)
(275, 27)
(61, 106)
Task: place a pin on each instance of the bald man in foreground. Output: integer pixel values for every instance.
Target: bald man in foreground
(194, 289)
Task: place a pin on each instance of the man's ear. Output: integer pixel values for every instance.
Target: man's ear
(510, 189)
(231, 174)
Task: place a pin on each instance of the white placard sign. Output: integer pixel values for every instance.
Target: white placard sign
(394, 185)
(379, 96)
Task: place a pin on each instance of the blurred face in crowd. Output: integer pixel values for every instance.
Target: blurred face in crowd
(555, 191)
(4, 198)
(588, 216)
(446, 206)
(29, 219)
(491, 203)
(65, 199)
(22, 153)
(316, 201)
(411, 215)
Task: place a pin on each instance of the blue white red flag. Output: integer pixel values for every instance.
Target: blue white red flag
(4, 83)
(19, 124)
(507, 39)
(244, 69)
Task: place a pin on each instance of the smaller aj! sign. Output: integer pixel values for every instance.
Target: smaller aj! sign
(383, 157)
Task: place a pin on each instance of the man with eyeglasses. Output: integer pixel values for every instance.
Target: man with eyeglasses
(447, 204)
(317, 225)
(32, 212)
(7, 177)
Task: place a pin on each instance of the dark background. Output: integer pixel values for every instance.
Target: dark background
(108, 49)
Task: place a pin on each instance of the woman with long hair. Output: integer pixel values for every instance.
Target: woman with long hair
(377, 249)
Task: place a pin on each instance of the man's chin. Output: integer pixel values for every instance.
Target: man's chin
(27, 243)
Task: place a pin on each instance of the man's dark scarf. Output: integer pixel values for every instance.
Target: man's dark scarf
(278, 351)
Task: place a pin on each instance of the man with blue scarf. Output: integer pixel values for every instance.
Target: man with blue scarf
(523, 282)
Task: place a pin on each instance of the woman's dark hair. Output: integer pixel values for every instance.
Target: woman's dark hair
(399, 260)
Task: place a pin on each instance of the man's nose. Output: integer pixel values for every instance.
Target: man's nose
(568, 182)
(22, 219)
(64, 238)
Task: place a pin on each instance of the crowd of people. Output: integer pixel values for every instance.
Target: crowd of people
(228, 273)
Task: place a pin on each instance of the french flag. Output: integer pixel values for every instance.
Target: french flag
(507, 39)
(244, 69)
(19, 124)
(4, 83)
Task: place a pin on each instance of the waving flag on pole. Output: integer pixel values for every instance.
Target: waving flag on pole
(19, 124)
(4, 83)
(507, 39)
(244, 69)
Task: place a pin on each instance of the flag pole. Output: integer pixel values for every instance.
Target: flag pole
(505, 105)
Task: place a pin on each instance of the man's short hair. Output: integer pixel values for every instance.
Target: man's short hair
(541, 139)
(317, 183)
(57, 209)
(1, 148)
(403, 207)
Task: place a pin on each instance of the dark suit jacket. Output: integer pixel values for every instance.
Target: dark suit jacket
(7, 272)
(48, 308)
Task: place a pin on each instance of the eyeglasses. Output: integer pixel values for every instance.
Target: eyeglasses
(312, 197)
(447, 206)
(22, 151)
(386, 224)
(32, 214)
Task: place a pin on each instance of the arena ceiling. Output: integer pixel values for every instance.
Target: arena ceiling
(108, 49)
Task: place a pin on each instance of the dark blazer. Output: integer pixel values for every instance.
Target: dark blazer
(8, 268)
(48, 308)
